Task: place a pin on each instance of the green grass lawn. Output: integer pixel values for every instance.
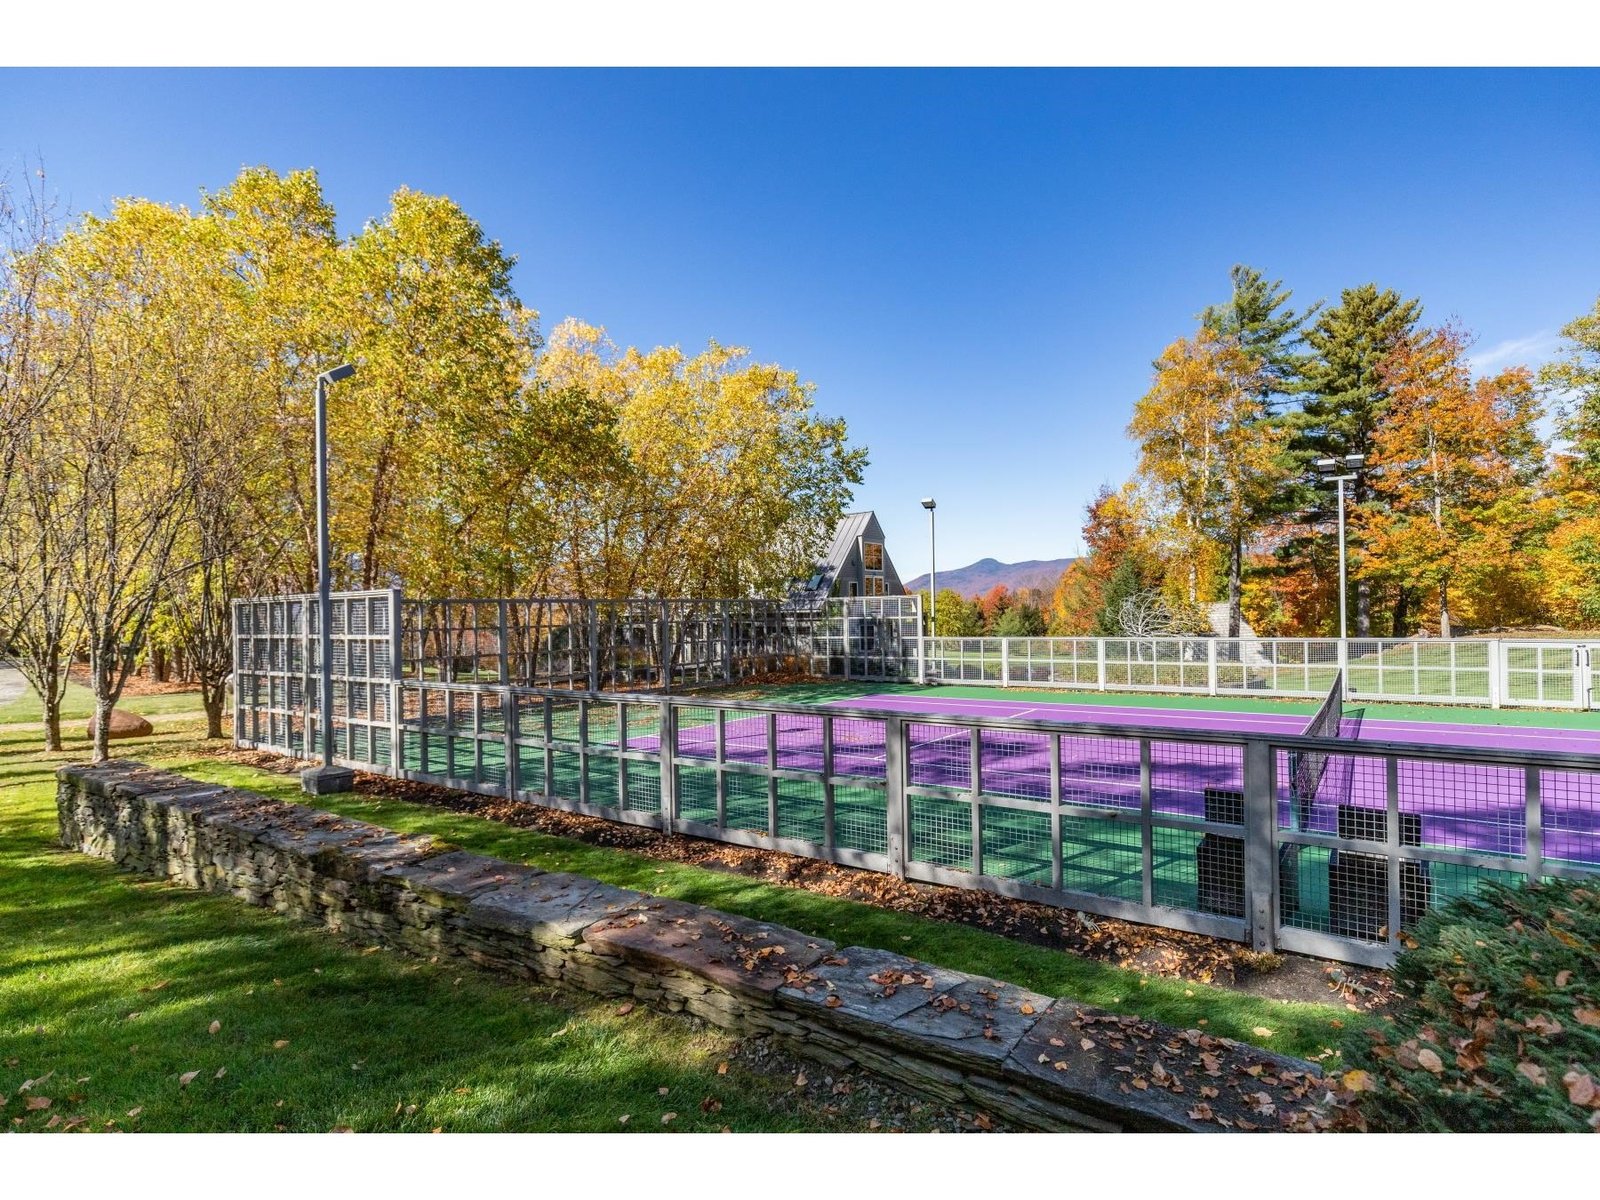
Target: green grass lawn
(78, 706)
(1304, 1029)
(368, 1034)
(110, 984)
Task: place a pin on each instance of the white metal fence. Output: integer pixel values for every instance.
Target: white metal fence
(1483, 672)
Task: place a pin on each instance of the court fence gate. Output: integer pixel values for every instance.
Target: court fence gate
(1197, 830)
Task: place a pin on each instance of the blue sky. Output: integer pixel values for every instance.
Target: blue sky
(974, 267)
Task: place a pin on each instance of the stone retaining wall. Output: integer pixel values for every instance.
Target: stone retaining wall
(1034, 1060)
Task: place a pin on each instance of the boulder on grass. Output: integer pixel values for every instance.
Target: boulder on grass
(124, 724)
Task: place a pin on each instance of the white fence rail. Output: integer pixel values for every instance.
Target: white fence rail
(1483, 672)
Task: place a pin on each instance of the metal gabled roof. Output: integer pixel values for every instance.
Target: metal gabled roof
(851, 526)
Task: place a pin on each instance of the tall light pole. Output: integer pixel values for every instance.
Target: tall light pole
(1329, 468)
(933, 582)
(326, 778)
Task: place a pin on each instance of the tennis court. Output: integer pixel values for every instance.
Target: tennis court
(1467, 807)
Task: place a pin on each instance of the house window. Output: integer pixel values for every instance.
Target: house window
(872, 555)
(875, 585)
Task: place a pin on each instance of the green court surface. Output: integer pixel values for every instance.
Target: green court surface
(1450, 714)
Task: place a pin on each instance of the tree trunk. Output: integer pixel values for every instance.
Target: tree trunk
(158, 664)
(102, 729)
(1402, 615)
(1235, 585)
(212, 696)
(51, 703)
(1444, 610)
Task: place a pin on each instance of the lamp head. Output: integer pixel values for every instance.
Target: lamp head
(335, 374)
(928, 503)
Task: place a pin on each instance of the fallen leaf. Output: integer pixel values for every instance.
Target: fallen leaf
(1587, 1016)
(35, 1103)
(1025, 1009)
(221, 1071)
(1580, 1087)
(624, 1009)
(1086, 1043)
(187, 1078)
(624, 1118)
(1430, 1062)
(668, 1117)
(280, 1043)
(661, 1091)
(800, 1080)
(1357, 1081)
(1262, 1031)
(832, 1002)
(1532, 1072)
(214, 1027)
(134, 1112)
(722, 1068)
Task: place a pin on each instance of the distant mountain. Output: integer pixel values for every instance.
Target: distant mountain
(977, 578)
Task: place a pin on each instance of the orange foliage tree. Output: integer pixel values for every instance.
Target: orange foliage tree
(1453, 474)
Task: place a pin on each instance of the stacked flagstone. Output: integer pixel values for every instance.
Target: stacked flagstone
(1033, 1060)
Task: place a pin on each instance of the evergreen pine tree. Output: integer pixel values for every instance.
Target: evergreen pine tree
(1126, 582)
(1344, 393)
(1259, 319)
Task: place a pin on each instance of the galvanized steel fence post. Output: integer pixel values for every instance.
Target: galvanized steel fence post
(897, 822)
(1260, 855)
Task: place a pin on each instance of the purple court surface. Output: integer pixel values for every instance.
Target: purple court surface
(1460, 806)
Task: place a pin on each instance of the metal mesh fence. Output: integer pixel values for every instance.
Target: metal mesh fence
(1310, 842)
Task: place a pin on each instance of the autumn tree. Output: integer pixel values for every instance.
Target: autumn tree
(1570, 564)
(956, 615)
(1345, 394)
(1454, 463)
(282, 257)
(993, 604)
(1208, 454)
(719, 477)
(1113, 534)
(36, 355)
(1575, 378)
